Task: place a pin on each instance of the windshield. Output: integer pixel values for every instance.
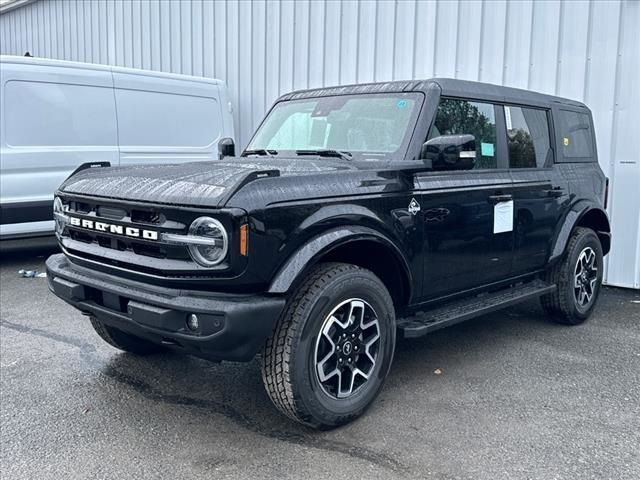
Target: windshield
(363, 126)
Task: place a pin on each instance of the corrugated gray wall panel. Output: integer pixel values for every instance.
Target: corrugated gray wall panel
(587, 50)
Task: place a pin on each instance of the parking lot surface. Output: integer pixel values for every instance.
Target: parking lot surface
(508, 395)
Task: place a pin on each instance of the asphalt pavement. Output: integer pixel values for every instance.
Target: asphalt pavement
(507, 395)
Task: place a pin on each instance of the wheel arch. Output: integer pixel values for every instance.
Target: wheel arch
(583, 214)
(361, 246)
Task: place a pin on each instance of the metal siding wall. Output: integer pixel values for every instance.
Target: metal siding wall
(587, 50)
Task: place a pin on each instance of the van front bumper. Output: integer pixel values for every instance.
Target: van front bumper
(230, 327)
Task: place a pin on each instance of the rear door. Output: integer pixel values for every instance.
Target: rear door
(166, 120)
(466, 214)
(54, 118)
(540, 193)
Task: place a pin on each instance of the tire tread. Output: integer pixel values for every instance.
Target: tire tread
(280, 346)
(557, 304)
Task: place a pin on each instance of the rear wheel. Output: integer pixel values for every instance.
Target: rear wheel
(124, 341)
(578, 278)
(332, 348)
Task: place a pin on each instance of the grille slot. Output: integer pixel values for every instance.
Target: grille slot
(104, 241)
(148, 250)
(111, 212)
(142, 216)
(81, 236)
(80, 207)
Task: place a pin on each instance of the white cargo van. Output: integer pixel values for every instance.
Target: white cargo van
(56, 116)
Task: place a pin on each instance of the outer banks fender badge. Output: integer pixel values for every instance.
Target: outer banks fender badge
(414, 206)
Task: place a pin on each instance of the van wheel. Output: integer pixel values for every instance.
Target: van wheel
(578, 278)
(332, 348)
(124, 341)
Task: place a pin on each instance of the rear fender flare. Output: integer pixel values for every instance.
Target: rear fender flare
(573, 218)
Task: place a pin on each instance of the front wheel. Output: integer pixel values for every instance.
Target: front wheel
(332, 348)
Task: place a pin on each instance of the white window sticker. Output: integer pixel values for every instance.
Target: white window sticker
(507, 118)
(503, 217)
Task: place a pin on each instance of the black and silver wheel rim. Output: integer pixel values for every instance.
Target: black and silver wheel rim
(585, 277)
(347, 348)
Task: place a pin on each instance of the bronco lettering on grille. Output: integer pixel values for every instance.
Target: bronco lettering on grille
(114, 229)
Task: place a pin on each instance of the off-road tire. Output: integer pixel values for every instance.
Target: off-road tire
(124, 341)
(288, 360)
(561, 305)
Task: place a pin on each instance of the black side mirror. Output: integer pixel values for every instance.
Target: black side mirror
(226, 148)
(450, 152)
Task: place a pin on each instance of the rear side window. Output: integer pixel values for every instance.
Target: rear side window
(527, 137)
(462, 117)
(575, 134)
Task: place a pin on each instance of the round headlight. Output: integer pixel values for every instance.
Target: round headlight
(210, 241)
(59, 216)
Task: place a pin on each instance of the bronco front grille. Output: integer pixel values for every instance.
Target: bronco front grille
(119, 250)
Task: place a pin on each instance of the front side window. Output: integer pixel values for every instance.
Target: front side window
(377, 125)
(463, 117)
(527, 137)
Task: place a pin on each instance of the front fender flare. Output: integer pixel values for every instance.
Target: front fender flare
(314, 249)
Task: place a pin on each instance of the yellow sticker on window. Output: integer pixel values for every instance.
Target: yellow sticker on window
(565, 141)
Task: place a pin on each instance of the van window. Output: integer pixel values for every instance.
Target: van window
(527, 137)
(165, 120)
(42, 114)
(462, 117)
(575, 134)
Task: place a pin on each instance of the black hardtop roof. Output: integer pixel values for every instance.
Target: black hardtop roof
(450, 87)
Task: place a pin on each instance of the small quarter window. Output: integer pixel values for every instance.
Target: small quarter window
(527, 137)
(575, 134)
(463, 117)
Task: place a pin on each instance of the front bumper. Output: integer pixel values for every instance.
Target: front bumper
(232, 327)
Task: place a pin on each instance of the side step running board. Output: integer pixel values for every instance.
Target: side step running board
(461, 310)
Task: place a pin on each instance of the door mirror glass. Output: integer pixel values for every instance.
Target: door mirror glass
(226, 148)
(450, 152)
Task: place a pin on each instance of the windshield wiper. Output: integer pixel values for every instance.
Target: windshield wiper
(327, 153)
(260, 152)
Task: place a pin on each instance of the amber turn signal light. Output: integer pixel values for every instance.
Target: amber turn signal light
(244, 240)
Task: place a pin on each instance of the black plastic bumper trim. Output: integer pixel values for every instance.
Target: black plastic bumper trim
(232, 327)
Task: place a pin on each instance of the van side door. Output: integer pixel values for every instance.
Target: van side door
(540, 192)
(167, 120)
(54, 118)
(466, 244)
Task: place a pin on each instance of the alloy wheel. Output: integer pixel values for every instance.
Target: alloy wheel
(347, 348)
(585, 277)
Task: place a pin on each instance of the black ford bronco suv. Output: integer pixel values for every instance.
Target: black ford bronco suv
(355, 214)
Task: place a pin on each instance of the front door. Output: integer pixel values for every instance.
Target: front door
(467, 215)
(463, 248)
